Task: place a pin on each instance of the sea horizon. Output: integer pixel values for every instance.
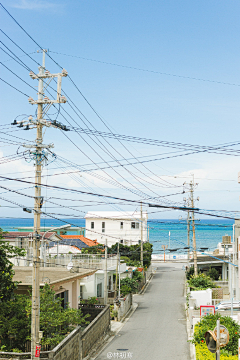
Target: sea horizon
(171, 232)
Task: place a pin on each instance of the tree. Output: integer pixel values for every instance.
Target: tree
(213, 273)
(7, 286)
(15, 324)
(133, 252)
(96, 249)
(55, 322)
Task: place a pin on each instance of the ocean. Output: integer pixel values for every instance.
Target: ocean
(208, 232)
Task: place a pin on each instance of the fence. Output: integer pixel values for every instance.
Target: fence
(217, 301)
(83, 261)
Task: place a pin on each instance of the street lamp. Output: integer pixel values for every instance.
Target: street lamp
(44, 234)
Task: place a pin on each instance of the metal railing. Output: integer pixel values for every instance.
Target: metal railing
(76, 261)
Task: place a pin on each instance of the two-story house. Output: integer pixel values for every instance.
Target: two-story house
(125, 227)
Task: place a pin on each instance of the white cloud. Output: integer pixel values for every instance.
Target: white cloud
(33, 5)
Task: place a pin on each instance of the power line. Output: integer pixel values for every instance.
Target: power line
(13, 86)
(150, 71)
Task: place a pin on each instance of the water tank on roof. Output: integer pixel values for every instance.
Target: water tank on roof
(226, 239)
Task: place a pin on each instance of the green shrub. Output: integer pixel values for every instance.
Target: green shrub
(131, 283)
(209, 323)
(202, 353)
(125, 258)
(213, 274)
(200, 282)
(189, 272)
(137, 275)
(125, 290)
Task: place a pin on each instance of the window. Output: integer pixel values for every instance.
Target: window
(121, 225)
(103, 226)
(134, 225)
(92, 225)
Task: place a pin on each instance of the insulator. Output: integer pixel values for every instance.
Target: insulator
(27, 127)
(63, 99)
(14, 122)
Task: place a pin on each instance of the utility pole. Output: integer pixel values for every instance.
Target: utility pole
(116, 281)
(188, 234)
(186, 202)
(164, 247)
(105, 276)
(40, 154)
(35, 325)
(218, 341)
(192, 187)
(141, 237)
(119, 277)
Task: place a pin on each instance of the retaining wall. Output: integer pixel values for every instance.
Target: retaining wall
(76, 345)
(95, 331)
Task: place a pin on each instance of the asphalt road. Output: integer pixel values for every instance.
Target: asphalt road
(157, 329)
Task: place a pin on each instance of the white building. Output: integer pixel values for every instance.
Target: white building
(93, 285)
(115, 226)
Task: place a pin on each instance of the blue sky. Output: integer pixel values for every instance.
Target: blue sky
(195, 39)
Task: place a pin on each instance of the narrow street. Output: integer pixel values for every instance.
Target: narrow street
(157, 329)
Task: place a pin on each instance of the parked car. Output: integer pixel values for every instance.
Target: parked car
(226, 305)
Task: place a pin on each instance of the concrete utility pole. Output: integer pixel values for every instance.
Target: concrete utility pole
(35, 325)
(40, 154)
(116, 281)
(105, 276)
(188, 234)
(192, 187)
(218, 341)
(186, 202)
(119, 277)
(141, 237)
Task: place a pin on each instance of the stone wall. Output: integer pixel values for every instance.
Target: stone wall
(76, 345)
(95, 331)
(70, 348)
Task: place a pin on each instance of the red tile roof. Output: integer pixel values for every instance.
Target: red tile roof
(82, 238)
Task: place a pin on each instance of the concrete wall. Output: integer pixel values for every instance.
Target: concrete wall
(125, 306)
(202, 297)
(95, 331)
(70, 348)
